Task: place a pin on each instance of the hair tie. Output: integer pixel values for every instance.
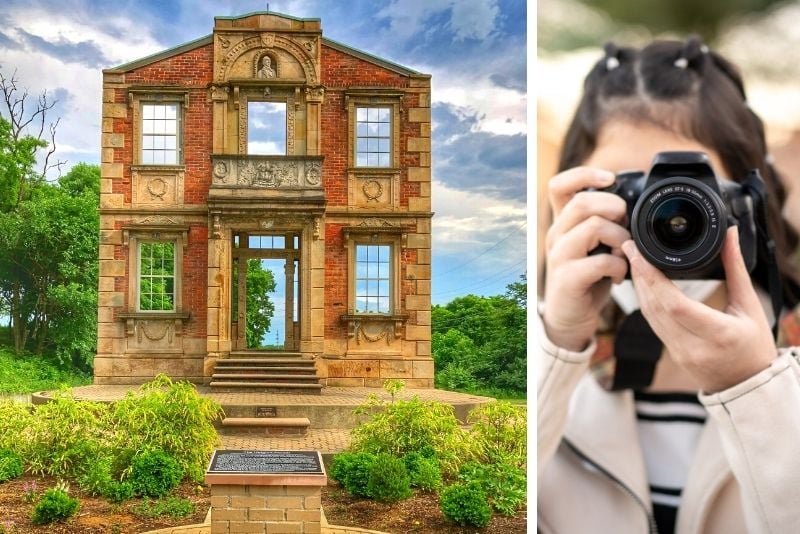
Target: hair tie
(612, 55)
(681, 63)
(612, 63)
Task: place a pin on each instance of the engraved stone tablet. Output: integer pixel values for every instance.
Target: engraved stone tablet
(266, 462)
(266, 411)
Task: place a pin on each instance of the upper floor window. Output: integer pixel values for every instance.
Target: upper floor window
(373, 137)
(160, 134)
(266, 128)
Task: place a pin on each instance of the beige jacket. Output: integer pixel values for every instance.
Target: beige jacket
(745, 477)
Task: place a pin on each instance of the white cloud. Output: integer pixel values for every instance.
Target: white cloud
(264, 147)
(466, 221)
(500, 111)
(469, 19)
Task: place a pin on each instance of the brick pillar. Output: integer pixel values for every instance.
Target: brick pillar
(266, 503)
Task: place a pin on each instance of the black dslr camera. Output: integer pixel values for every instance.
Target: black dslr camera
(679, 212)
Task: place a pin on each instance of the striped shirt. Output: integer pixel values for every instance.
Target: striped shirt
(669, 426)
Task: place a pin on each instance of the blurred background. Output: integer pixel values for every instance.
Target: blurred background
(762, 37)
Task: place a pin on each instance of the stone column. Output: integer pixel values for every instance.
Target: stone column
(289, 304)
(314, 97)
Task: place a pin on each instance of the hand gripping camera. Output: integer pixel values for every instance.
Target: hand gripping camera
(679, 213)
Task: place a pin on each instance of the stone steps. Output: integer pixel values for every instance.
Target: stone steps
(278, 372)
(267, 387)
(266, 426)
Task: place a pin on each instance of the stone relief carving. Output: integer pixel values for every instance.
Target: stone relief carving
(225, 43)
(268, 39)
(156, 219)
(216, 227)
(267, 174)
(315, 94)
(154, 333)
(221, 171)
(317, 228)
(373, 190)
(373, 330)
(220, 92)
(313, 172)
(375, 222)
(157, 188)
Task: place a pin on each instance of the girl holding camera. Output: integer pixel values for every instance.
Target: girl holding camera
(711, 444)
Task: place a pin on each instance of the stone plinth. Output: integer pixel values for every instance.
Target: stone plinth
(260, 491)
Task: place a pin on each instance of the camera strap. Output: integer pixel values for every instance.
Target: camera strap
(754, 186)
(636, 352)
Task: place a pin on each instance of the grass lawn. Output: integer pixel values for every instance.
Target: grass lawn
(27, 373)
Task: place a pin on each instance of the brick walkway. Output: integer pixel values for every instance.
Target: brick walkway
(330, 396)
(324, 440)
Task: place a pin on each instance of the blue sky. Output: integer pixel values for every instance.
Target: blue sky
(475, 50)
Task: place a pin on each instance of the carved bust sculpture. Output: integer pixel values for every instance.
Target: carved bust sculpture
(266, 70)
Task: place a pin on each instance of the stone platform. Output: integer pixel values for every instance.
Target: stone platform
(330, 413)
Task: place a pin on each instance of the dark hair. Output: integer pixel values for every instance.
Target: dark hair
(693, 91)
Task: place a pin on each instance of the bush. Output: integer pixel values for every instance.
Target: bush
(388, 479)
(499, 433)
(504, 483)
(174, 507)
(406, 426)
(424, 472)
(154, 474)
(465, 504)
(10, 465)
(117, 491)
(65, 436)
(165, 415)
(456, 377)
(15, 418)
(55, 505)
(97, 477)
(351, 470)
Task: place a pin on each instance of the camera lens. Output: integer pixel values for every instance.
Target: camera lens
(678, 224)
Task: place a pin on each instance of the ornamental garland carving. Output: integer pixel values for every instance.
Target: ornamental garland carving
(153, 333)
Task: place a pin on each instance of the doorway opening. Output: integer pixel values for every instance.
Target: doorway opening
(266, 292)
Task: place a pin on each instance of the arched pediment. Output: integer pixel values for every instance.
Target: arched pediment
(293, 59)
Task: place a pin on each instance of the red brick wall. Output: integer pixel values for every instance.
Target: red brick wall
(339, 72)
(193, 71)
(335, 282)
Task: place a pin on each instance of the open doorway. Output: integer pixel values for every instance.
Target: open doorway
(266, 292)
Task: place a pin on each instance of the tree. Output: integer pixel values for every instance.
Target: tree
(260, 309)
(482, 341)
(49, 267)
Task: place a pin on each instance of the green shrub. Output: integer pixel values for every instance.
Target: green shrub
(465, 504)
(10, 465)
(499, 433)
(117, 491)
(96, 477)
(406, 426)
(388, 479)
(15, 418)
(55, 505)
(504, 483)
(424, 472)
(174, 507)
(155, 473)
(65, 436)
(351, 470)
(166, 415)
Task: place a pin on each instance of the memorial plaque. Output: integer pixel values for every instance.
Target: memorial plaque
(266, 411)
(266, 462)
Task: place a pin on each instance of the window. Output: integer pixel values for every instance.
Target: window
(266, 128)
(156, 276)
(372, 291)
(373, 137)
(160, 134)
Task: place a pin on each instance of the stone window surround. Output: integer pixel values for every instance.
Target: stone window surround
(266, 91)
(139, 96)
(393, 236)
(373, 99)
(132, 236)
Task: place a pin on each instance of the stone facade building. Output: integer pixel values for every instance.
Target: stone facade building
(265, 141)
